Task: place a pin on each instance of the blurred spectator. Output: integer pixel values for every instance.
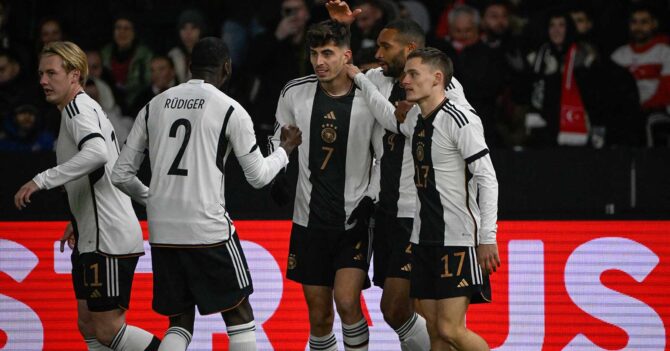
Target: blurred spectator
(122, 124)
(163, 77)
(560, 67)
(647, 57)
(277, 57)
(365, 59)
(191, 24)
(50, 30)
(127, 59)
(475, 66)
(508, 51)
(23, 132)
(374, 16)
(17, 86)
(417, 12)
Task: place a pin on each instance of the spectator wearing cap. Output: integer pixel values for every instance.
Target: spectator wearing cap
(127, 59)
(191, 25)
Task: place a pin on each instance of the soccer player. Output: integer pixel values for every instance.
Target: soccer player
(189, 131)
(397, 205)
(329, 245)
(454, 232)
(108, 237)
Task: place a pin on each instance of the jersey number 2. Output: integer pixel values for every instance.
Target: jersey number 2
(174, 169)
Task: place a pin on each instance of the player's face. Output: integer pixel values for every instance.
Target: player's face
(328, 61)
(419, 80)
(55, 81)
(391, 53)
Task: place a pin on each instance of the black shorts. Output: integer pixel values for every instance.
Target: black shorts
(316, 255)
(104, 282)
(391, 248)
(434, 280)
(215, 279)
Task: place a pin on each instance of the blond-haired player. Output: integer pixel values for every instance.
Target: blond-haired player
(106, 231)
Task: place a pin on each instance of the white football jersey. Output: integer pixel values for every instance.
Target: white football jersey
(102, 216)
(335, 156)
(189, 131)
(397, 192)
(451, 165)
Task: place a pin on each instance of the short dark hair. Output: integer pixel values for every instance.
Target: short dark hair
(209, 54)
(163, 58)
(643, 7)
(437, 59)
(328, 31)
(409, 31)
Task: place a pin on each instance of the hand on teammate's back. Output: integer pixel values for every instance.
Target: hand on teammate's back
(362, 212)
(487, 257)
(339, 11)
(291, 137)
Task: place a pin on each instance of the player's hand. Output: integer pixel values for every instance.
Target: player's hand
(352, 70)
(487, 257)
(401, 110)
(279, 189)
(68, 236)
(291, 137)
(363, 212)
(22, 197)
(339, 11)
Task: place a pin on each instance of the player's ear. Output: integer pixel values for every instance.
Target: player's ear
(348, 56)
(439, 78)
(75, 74)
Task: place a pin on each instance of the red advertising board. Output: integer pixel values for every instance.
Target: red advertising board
(563, 285)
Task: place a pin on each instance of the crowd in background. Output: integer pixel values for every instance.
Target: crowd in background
(582, 73)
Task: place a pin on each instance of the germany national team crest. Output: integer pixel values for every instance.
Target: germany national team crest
(419, 152)
(328, 133)
(292, 262)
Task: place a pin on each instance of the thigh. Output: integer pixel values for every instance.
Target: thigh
(348, 284)
(310, 260)
(107, 281)
(171, 295)
(451, 311)
(218, 277)
(353, 251)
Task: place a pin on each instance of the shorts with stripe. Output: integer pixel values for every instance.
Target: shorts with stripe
(104, 282)
(442, 272)
(316, 255)
(391, 247)
(213, 278)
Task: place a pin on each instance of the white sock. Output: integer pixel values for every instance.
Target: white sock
(413, 334)
(242, 337)
(175, 339)
(356, 336)
(323, 343)
(94, 345)
(131, 338)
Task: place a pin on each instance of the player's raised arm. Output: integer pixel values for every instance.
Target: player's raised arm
(124, 174)
(339, 11)
(382, 109)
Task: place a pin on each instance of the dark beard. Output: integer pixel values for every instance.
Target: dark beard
(395, 69)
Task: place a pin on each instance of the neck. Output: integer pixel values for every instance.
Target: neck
(338, 86)
(431, 102)
(70, 96)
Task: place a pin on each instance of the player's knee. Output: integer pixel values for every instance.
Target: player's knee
(321, 319)
(451, 333)
(105, 333)
(395, 312)
(239, 315)
(347, 306)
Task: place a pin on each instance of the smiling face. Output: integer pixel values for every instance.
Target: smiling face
(391, 53)
(419, 80)
(58, 84)
(328, 61)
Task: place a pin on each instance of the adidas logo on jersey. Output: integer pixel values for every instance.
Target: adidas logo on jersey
(406, 268)
(96, 294)
(330, 115)
(463, 283)
(358, 257)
